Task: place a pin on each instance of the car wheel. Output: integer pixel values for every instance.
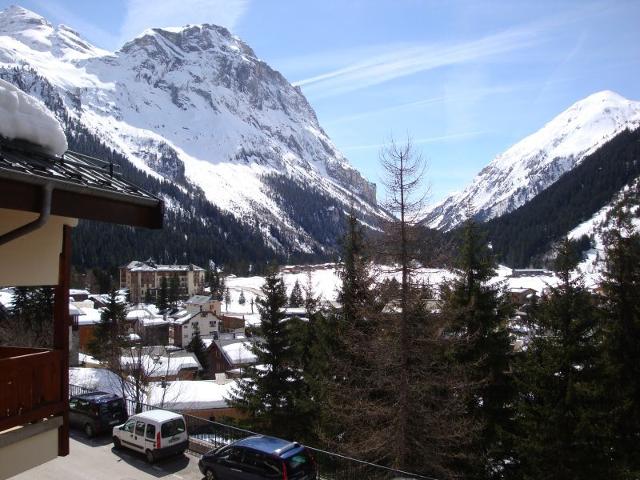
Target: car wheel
(150, 456)
(209, 475)
(88, 430)
(116, 443)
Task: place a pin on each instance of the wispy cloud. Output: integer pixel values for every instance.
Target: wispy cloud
(419, 141)
(471, 94)
(142, 14)
(414, 58)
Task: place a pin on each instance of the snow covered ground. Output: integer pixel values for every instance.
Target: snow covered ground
(325, 282)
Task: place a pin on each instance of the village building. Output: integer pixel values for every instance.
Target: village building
(159, 363)
(230, 354)
(144, 279)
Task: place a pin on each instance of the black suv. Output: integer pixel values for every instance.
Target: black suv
(257, 458)
(96, 412)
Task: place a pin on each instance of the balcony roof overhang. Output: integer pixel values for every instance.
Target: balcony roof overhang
(83, 187)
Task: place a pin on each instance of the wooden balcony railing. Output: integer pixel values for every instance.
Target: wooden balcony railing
(31, 385)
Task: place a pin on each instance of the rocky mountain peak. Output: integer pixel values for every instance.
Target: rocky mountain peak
(531, 165)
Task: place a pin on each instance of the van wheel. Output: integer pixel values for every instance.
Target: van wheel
(209, 475)
(150, 456)
(88, 430)
(116, 443)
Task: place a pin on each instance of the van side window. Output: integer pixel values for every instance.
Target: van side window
(128, 427)
(151, 431)
(172, 427)
(140, 428)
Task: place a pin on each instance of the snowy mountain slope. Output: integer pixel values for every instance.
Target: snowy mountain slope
(530, 166)
(593, 263)
(196, 107)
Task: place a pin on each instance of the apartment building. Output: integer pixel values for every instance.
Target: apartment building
(144, 279)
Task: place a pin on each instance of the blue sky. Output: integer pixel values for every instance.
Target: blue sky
(465, 79)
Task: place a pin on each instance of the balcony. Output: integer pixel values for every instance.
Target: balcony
(33, 406)
(30, 385)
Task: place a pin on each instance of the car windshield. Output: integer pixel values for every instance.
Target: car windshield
(114, 406)
(299, 462)
(172, 427)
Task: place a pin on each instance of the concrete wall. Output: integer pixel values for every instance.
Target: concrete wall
(28, 446)
(32, 259)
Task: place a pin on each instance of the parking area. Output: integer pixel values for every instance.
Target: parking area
(96, 459)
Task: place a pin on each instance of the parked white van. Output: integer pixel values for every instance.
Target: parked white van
(156, 433)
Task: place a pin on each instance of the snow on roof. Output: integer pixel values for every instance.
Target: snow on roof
(239, 352)
(149, 266)
(74, 311)
(89, 316)
(95, 379)
(163, 365)
(199, 300)
(23, 117)
(190, 395)
(78, 291)
(87, 359)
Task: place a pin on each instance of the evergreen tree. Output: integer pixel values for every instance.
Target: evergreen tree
(241, 299)
(560, 431)
(621, 309)
(227, 298)
(197, 347)
(296, 300)
(174, 290)
(108, 335)
(350, 388)
(148, 297)
(477, 316)
(163, 296)
(271, 398)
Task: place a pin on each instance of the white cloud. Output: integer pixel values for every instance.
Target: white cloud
(143, 14)
(410, 59)
(420, 141)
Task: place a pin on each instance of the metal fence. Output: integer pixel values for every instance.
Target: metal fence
(206, 435)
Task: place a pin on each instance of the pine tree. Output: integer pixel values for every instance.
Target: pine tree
(227, 298)
(148, 297)
(108, 335)
(241, 299)
(621, 309)
(296, 300)
(198, 348)
(174, 290)
(272, 397)
(350, 390)
(163, 296)
(560, 431)
(477, 316)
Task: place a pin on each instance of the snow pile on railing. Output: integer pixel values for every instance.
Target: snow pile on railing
(23, 117)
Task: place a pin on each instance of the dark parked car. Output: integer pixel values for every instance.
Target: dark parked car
(96, 412)
(259, 457)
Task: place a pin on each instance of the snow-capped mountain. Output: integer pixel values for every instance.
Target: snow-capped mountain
(193, 106)
(533, 164)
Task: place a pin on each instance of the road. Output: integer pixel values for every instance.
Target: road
(95, 459)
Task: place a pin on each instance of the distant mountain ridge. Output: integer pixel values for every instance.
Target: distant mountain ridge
(526, 236)
(530, 166)
(195, 108)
